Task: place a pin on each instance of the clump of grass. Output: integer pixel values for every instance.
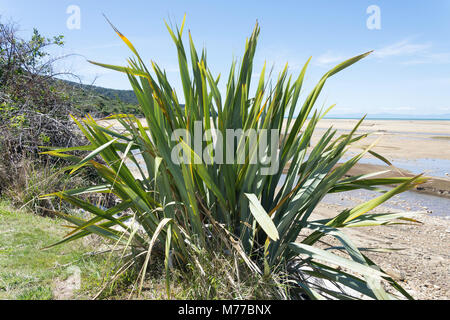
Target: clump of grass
(36, 293)
(225, 277)
(33, 180)
(220, 277)
(185, 208)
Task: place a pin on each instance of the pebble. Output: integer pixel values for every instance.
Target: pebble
(396, 274)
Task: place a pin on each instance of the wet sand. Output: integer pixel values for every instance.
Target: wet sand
(413, 147)
(438, 186)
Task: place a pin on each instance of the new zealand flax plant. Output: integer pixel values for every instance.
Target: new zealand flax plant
(264, 218)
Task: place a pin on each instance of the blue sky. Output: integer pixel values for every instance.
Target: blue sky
(409, 73)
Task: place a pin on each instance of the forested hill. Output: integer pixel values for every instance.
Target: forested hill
(102, 101)
(125, 96)
(99, 101)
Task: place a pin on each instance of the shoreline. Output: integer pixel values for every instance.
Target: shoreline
(435, 186)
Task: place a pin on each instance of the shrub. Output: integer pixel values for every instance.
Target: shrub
(185, 208)
(33, 108)
(34, 112)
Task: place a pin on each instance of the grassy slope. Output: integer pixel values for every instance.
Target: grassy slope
(28, 273)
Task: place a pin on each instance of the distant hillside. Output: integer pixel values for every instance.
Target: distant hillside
(103, 101)
(100, 101)
(126, 96)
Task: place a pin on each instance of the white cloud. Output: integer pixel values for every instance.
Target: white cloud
(328, 58)
(444, 109)
(413, 53)
(399, 109)
(418, 52)
(425, 58)
(410, 52)
(402, 48)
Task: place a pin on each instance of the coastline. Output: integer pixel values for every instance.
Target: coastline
(435, 186)
(413, 146)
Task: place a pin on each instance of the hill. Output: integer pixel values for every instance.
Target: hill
(100, 101)
(125, 96)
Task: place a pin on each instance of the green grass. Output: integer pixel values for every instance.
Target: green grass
(29, 273)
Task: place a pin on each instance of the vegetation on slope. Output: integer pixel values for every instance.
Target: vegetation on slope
(34, 113)
(99, 101)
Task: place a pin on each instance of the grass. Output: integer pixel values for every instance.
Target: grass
(29, 273)
(218, 282)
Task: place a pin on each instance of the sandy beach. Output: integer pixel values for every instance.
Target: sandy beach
(400, 139)
(413, 146)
